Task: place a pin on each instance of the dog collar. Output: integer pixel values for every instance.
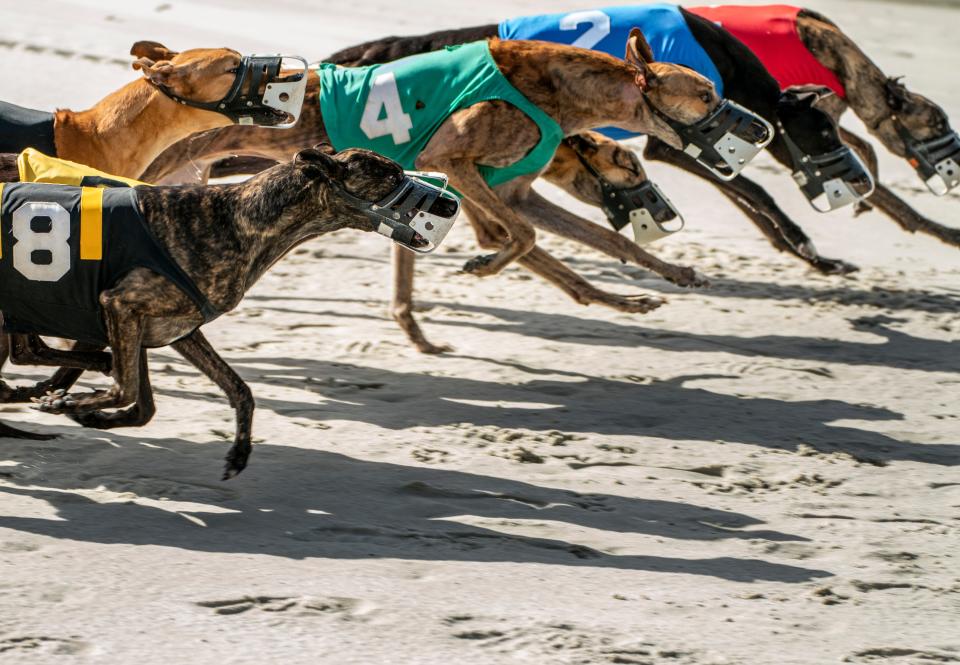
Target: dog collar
(937, 160)
(417, 214)
(726, 140)
(644, 207)
(832, 180)
(280, 104)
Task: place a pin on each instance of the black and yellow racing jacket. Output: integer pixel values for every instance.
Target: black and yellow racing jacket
(62, 245)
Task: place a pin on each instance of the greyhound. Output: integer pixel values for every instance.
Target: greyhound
(889, 110)
(188, 254)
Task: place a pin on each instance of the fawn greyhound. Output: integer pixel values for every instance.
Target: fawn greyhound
(144, 267)
(805, 144)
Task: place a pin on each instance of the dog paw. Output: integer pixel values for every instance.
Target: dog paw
(433, 349)
(57, 402)
(635, 304)
(479, 266)
(691, 278)
(237, 460)
(833, 266)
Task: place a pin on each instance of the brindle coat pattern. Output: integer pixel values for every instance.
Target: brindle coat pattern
(876, 100)
(580, 89)
(225, 238)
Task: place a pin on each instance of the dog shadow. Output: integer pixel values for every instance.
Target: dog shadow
(893, 349)
(574, 403)
(301, 503)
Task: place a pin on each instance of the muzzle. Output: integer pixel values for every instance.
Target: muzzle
(937, 161)
(726, 140)
(284, 83)
(417, 214)
(832, 180)
(644, 207)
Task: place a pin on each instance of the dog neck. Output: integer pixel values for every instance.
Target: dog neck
(863, 81)
(126, 130)
(581, 90)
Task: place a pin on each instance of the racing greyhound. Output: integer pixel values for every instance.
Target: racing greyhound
(145, 267)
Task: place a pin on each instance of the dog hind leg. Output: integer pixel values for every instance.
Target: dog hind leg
(404, 263)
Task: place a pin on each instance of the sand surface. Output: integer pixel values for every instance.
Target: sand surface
(760, 472)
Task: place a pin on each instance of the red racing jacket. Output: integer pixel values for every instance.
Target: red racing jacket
(770, 31)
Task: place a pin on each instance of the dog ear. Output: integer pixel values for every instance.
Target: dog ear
(805, 96)
(325, 148)
(158, 73)
(640, 55)
(316, 163)
(152, 50)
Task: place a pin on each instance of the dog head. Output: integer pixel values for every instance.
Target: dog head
(617, 165)
(363, 190)
(204, 75)
(920, 117)
(674, 90)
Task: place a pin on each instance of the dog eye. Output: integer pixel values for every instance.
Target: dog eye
(706, 97)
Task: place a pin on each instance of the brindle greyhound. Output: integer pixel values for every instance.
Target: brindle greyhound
(578, 88)
(877, 100)
(224, 237)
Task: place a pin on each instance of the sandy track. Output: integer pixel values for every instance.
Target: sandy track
(761, 472)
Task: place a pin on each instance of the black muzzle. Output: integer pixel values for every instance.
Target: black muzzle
(726, 140)
(284, 83)
(832, 180)
(417, 214)
(644, 207)
(937, 161)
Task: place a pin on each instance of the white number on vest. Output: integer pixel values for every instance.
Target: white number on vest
(599, 27)
(52, 245)
(385, 95)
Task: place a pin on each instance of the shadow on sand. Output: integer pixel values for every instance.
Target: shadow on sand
(300, 503)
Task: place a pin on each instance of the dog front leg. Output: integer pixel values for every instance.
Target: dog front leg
(754, 201)
(550, 217)
(542, 263)
(892, 205)
(198, 352)
(138, 415)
